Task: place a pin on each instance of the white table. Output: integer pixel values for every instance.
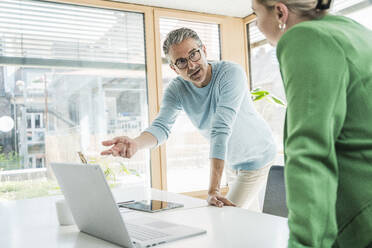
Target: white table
(33, 223)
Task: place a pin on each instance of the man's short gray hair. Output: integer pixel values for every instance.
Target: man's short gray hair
(177, 36)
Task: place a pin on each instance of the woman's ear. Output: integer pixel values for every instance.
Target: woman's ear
(281, 12)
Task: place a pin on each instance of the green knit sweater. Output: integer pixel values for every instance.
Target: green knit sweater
(326, 66)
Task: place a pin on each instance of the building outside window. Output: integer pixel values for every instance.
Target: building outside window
(71, 77)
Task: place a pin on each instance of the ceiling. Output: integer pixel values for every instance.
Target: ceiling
(236, 8)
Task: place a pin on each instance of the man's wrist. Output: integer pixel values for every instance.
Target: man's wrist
(213, 191)
(137, 141)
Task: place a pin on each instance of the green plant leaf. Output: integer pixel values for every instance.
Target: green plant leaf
(277, 100)
(256, 89)
(258, 97)
(134, 172)
(260, 93)
(124, 169)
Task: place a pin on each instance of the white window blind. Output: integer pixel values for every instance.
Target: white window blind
(53, 34)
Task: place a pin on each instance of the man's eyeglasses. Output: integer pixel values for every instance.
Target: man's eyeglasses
(182, 63)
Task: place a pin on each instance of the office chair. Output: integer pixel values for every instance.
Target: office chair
(275, 196)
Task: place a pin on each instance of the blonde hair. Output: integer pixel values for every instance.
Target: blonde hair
(306, 8)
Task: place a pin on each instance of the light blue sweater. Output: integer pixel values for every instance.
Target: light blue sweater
(224, 114)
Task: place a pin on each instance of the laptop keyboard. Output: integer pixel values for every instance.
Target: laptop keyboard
(142, 233)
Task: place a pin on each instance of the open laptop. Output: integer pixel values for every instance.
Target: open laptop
(96, 213)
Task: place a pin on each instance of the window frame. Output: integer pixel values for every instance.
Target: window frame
(233, 48)
(246, 21)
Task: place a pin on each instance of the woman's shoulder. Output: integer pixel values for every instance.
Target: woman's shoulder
(307, 34)
(328, 27)
(306, 29)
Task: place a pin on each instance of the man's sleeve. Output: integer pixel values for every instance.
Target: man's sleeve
(314, 72)
(233, 87)
(161, 127)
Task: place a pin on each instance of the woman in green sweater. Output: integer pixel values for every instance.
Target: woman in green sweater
(326, 66)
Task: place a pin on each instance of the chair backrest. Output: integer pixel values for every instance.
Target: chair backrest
(275, 196)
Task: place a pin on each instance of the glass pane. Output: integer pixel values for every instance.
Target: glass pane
(29, 135)
(39, 136)
(39, 162)
(37, 121)
(74, 103)
(29, 121)
(265, 75)
(95, 108)
(187, 150)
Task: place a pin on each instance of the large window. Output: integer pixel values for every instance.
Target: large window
(70, 77)
(188, 151)
(265, 72)
(265, 75)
